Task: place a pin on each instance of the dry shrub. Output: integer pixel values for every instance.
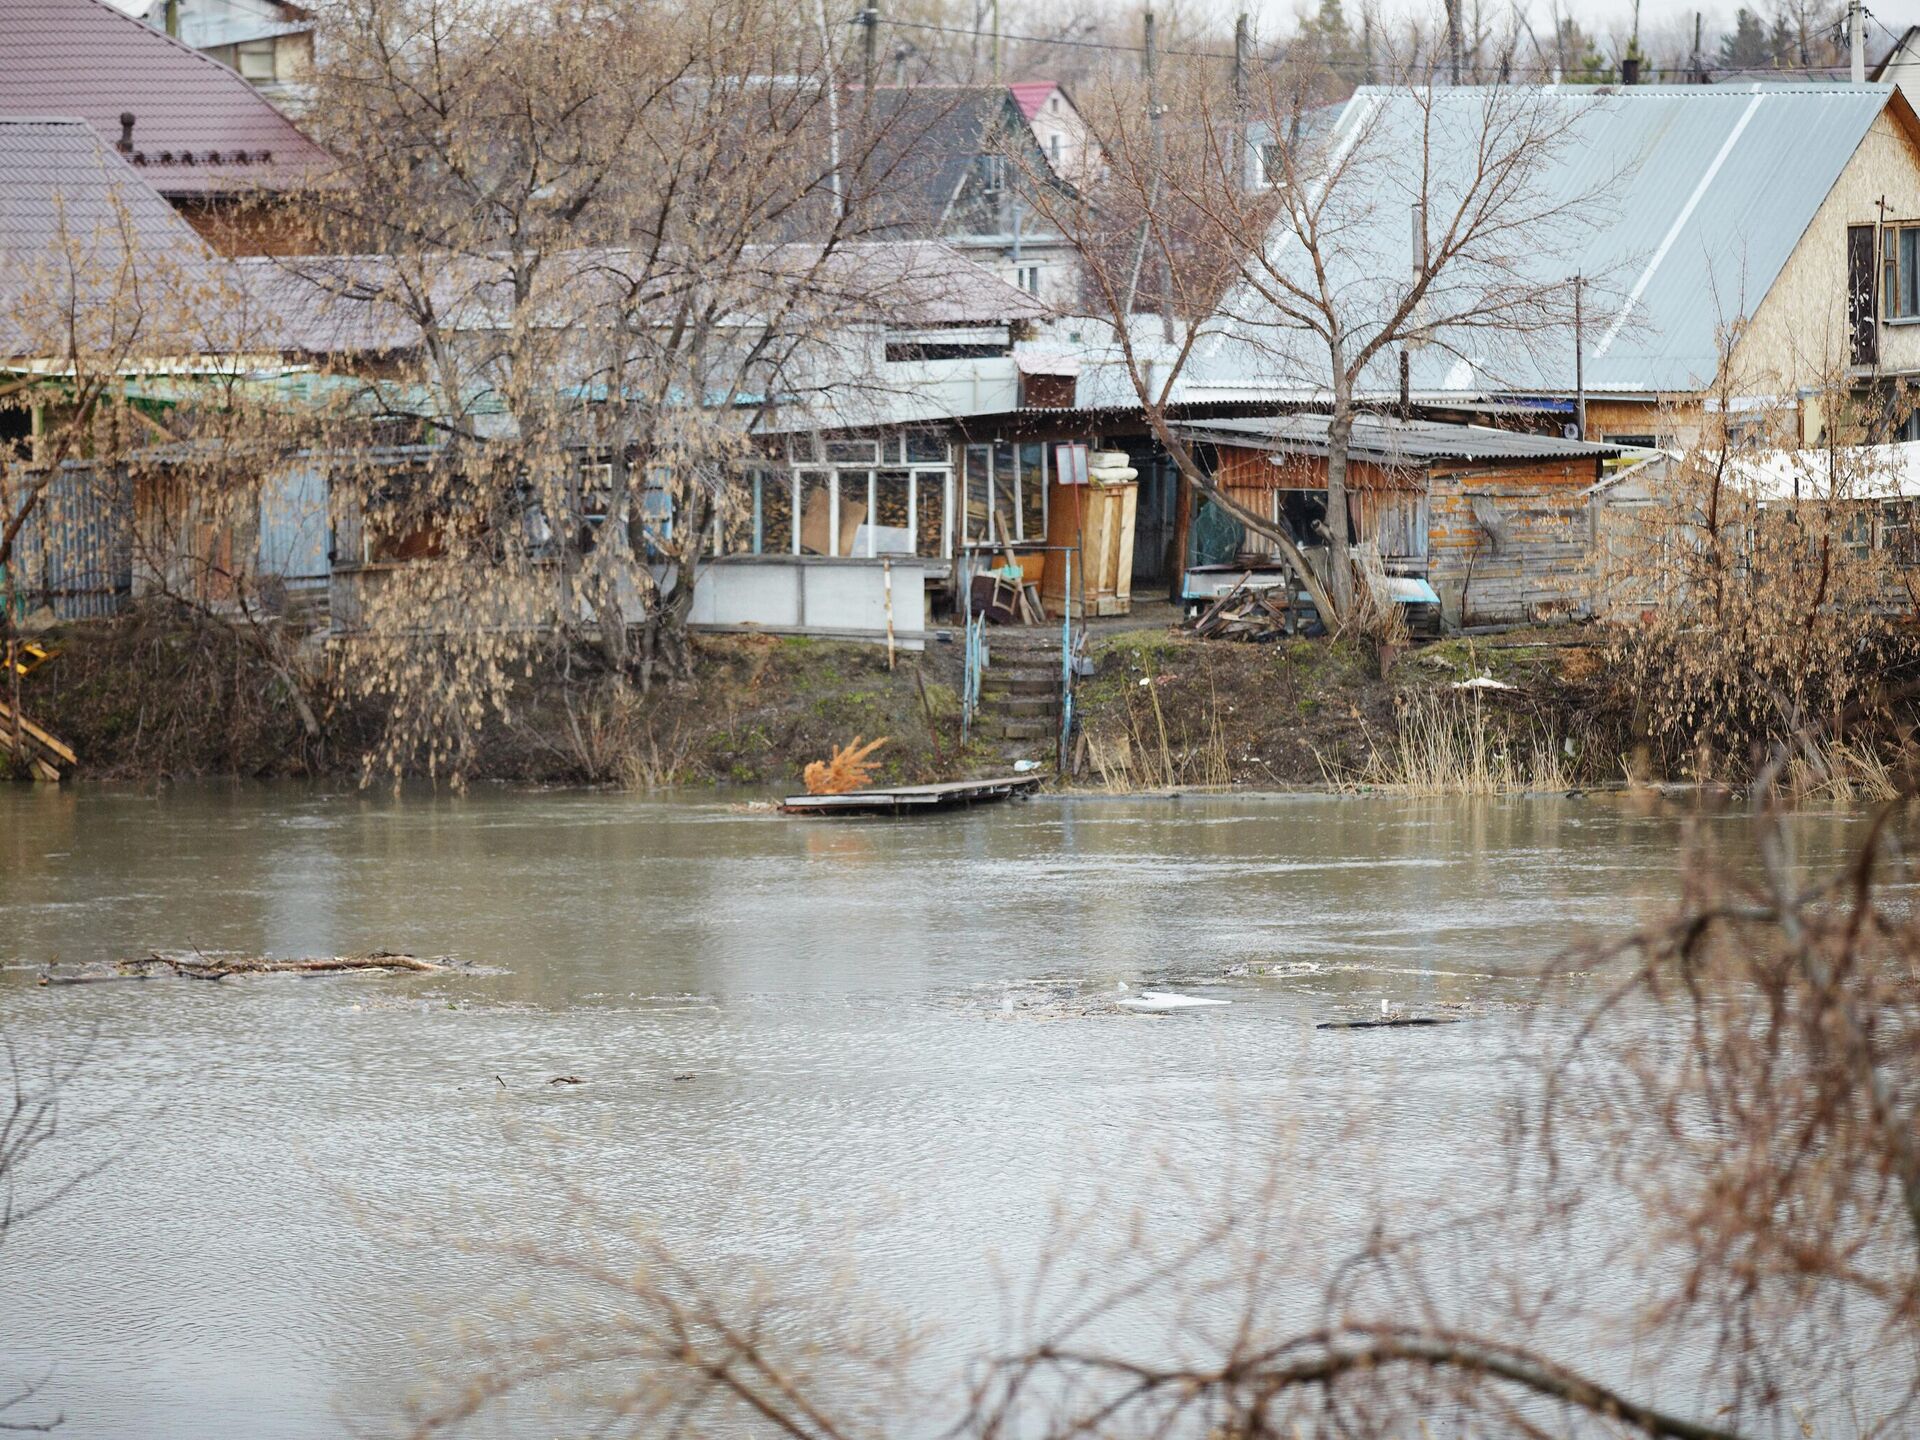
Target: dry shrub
(1764, 600)
(849, 769)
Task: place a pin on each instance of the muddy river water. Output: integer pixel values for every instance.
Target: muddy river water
(876, 1055)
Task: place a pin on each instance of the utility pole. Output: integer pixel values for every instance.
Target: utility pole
(1366, 46)
(1242, 141)
(1579, 358)
(1453, 39)
(1857, 37)
(173, 18)
(869, 33)
(1160, 173)
(1696, 74)
(996, 42)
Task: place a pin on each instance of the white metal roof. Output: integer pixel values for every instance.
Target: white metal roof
(1704, 193)
(1860, 472)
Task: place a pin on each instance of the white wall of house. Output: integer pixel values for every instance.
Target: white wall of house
(1067, 141)
(1798, 332)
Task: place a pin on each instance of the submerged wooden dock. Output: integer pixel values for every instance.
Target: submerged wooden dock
(912, 799)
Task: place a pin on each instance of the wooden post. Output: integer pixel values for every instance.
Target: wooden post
(1182, 534)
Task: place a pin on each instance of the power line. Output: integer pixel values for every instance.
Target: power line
(1768, 61)
(1053, 40)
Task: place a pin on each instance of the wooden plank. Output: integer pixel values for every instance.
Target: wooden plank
(35, 733)
(1123, 552)
(910, 797)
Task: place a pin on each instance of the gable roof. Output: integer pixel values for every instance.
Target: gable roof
(924, 142)
(1707, 190)
(1030, 95)
(66, 197)
(199, 128)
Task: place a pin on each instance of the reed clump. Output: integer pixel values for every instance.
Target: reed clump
(1447, 744)
(1140, 754)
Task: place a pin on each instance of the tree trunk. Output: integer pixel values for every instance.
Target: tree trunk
(664, 644)
(1339, 566)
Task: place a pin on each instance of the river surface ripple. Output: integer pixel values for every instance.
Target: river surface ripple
(879, 1051)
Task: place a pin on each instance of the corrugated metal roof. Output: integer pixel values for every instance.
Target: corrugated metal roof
(198, 127)
(73, 214)
(1387, 440)
(1703, 192)
(346, 304)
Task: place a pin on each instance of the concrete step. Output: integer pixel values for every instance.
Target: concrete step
(1021, 705)
(998, 682)
(992, 728)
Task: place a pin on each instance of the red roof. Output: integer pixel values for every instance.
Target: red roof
(1032, 94)
(198, 127)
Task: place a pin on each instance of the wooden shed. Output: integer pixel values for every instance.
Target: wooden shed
(1496, 521)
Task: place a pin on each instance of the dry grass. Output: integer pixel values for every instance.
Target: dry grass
(1839, 772)
(1142, 757)
(1444, 745)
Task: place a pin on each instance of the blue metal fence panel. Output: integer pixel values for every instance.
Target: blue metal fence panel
(74, 554)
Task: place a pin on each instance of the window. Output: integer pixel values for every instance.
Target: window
(900, 352)
(930, 489)
(890, 528)
(1897, 534)
(1029, 280)
(852, 452)
(926, 447)
(991, 171)
(1900, 271)
(1033, 492)
(1053, 148)
(1273, 162)
(255, 59)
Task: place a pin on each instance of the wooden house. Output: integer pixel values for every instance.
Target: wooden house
(1739, 246)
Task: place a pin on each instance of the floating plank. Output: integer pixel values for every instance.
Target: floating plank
(912, 799)
(35, 733)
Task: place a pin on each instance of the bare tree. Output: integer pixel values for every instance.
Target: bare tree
(1416, 217)
(608, 244)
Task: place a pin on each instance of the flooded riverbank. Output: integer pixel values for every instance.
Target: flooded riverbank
(879, 1048)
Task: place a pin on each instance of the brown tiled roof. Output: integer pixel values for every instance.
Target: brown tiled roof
(198, 127)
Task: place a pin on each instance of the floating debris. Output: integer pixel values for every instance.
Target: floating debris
(199, 965)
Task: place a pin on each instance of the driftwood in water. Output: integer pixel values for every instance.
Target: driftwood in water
(156, 966)
(1388, 1022)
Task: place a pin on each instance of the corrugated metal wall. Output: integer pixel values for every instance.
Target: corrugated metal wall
(74, 555)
